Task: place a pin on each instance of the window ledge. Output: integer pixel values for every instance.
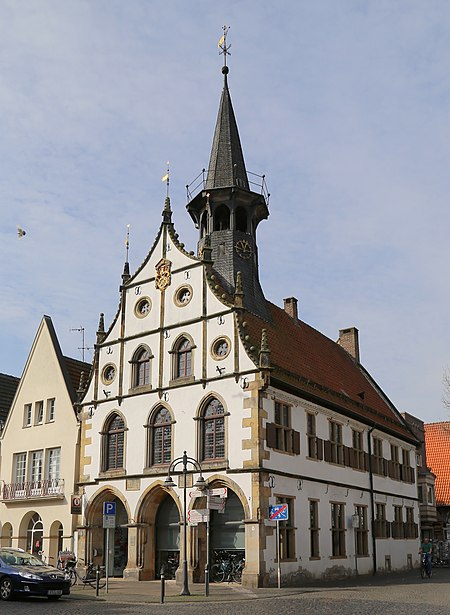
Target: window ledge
(113, 473)
(181, 380)
(145, 388)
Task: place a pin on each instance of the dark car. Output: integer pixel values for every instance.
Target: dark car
(26, 575)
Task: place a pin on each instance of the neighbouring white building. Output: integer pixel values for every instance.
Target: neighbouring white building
(39, 451)
(197, 360)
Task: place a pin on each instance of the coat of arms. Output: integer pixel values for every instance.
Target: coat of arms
(163, 275)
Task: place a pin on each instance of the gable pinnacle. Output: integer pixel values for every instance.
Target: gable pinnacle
(264, 353)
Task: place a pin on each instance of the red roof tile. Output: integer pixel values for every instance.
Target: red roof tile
(437, 443)
(310, 361)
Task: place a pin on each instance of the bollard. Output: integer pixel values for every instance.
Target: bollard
(206, 580)
(163, 585)
(97, 579)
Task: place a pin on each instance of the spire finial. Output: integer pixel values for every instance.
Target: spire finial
(222, 45)
(126, 268)
(165, 178)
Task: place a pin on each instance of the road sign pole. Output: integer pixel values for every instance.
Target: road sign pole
(107, 559)
(278, 554)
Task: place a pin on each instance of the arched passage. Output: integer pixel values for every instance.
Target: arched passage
(110, 544)
(158, 539)
(6, 537)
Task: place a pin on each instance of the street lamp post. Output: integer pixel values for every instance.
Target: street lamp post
(200, 484)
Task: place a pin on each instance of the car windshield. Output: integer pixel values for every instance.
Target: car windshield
(11, 557)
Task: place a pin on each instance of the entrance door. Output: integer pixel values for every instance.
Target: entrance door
(227, 530)
(118, 542)
(167, 535)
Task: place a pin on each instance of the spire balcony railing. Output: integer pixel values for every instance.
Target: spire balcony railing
(29, 490)
(256, 182)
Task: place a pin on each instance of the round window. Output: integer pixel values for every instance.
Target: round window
(221, 348)
(143, 307)
(183, 295)
(109, 373)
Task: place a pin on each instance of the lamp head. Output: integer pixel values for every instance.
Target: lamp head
(200, 483)
(168, 483)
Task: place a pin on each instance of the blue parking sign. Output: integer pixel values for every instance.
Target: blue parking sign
(109, 508)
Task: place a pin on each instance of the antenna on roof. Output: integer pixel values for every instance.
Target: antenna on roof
(82, 347)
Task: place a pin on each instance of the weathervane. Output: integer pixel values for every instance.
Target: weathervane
(222, 44)
(165, 178)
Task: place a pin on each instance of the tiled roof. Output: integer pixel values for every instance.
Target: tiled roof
(308, 360)
(437, 442)
(74, 369)
(8, 387)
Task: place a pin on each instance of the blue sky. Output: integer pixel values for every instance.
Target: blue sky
(344, 105)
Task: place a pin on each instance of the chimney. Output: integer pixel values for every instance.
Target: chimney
(349, 340)
(290, 307)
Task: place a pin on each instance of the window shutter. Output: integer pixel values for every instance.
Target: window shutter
(271, 435)
(296, 442)
(319, 445)
(366, 461)
(385, 467)
(327, 450)
(347, 457)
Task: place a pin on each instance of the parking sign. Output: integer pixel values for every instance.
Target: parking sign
(109, 508)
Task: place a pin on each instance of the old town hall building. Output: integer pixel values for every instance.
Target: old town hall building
(197, 360)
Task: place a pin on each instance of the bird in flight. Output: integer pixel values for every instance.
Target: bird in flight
(20, 232)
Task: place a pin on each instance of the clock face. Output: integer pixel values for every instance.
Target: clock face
(243, 248)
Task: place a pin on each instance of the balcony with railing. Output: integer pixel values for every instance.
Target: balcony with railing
(52, 488)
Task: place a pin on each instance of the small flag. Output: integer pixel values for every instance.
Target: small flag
(165, 177)
(20, 232)
(221, 41)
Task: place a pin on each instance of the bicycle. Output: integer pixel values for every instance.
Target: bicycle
(89, 577)
(228, 567)
(425, 565)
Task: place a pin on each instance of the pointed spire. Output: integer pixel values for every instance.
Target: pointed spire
(226, 164)
(167, 212)
(126, 268)
(101, 329)
(264, 353)
(239, 292)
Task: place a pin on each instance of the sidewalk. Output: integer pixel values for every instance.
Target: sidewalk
(127, 590)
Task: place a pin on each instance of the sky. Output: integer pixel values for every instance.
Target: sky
(343, 105)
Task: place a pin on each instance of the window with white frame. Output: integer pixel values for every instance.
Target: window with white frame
(27, 415)
(39, 413)
(53, 463)
(50, 410)
(36, 466)
(20, 468)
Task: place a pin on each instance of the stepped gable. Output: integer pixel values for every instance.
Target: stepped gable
(437, 443)
(305, 359)
(8, 387)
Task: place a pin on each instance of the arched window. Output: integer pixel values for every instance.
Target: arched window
(213, 430)
(113, 443)
(161, 437)
(241, 219)
(35, 533)
(183, 358)
(222, 218)
(141, 367)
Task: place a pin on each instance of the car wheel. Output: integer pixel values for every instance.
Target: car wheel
(6, 589)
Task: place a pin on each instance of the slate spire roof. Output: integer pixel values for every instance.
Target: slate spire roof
(226, 165)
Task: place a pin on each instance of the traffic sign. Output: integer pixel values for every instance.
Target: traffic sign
(109, 521)
(75, 505)
(215, 502)
(278, 512)
(197, 493)
(109, 508)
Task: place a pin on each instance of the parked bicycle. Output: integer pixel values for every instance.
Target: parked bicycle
(90, 574)
(227, 567)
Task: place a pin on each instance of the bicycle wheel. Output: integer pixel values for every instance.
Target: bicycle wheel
(73, 576)
(217, 573)
(237, 572)
(422, 571)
